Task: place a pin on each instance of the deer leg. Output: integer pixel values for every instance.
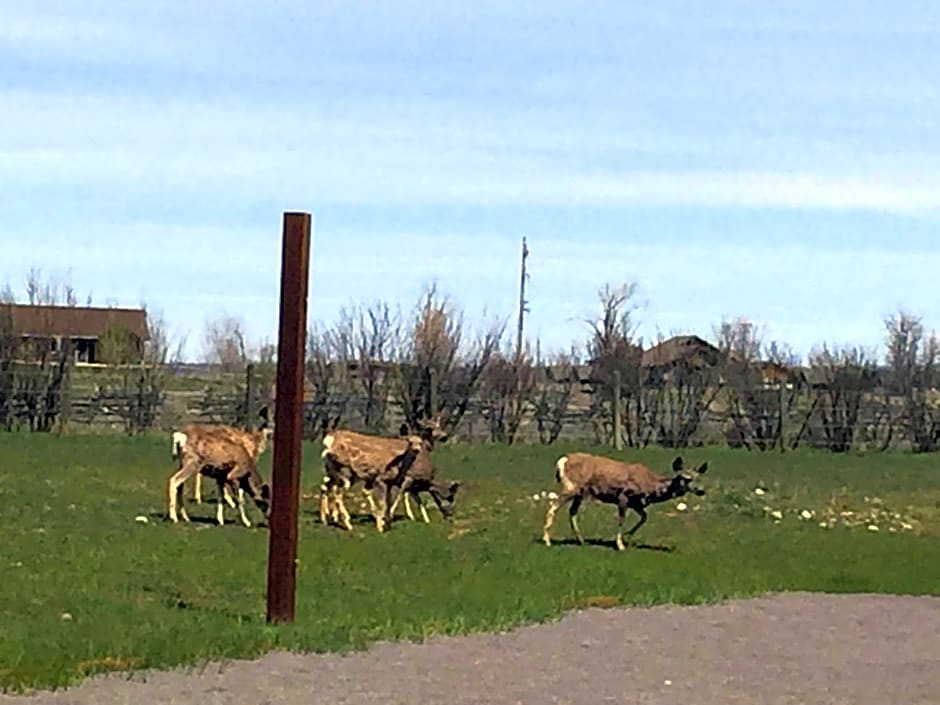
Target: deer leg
(241, 508)
(368, 495)
(343, 514)
(643, 517)
(621, 512)
(227, 495)
(331, 506)
(338, 509)
(175, 491)
(381, 511)
(220, 507)
(553, 507)
(573, 519)
(395, 502)
(325, 493)
(340, 503)
(197, 493)
(402, 494)
(420, 503)
(336, 505)
(172, 498)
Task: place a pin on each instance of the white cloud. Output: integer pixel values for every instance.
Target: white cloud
(174, 110)
(428, 152)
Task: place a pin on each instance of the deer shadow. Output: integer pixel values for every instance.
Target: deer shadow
(203, 521)
(611, 544)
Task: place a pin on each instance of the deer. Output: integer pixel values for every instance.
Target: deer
(377, 461)
(227, 458)
(255, 443)
(420, 476)
(628, 485)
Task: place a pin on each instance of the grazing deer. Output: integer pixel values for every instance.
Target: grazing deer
(350, 457)
(628, 485)
(420, 476)
(255, 443)
(227, 459)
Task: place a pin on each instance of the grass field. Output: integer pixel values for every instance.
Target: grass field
(86, 588)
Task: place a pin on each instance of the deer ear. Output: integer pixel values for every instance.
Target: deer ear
(702, 468)
(677, 464)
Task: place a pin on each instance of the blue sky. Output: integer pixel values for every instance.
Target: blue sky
(778, 161)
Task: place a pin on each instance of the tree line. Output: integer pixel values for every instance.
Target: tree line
(432, 360)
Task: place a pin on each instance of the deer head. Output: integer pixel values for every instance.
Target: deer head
(430, 430)
(683, 482)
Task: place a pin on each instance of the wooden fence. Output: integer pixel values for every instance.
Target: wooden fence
(588, 416)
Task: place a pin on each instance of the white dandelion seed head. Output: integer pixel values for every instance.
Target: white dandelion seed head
(759, 492)
(682, 506)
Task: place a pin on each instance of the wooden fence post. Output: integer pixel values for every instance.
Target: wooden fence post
(249, 395)
(618, 413)
(432, 392)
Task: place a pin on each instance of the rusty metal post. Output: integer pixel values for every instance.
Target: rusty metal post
(288, 418)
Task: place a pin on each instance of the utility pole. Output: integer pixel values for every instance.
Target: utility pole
(523, 304)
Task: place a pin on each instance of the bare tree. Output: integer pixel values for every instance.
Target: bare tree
(224, 343)
(324, 377)
(367, 339)
(508, 385)
(54, 289)
(762, 387)
(551, 401)
(612, 350)
(8, 350)
(842, 376)
(441, 369)
(143, 384)
(37, 392)
(7, 295)
(914, 371)
(679, 381)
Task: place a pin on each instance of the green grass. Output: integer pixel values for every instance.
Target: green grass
(86, 588)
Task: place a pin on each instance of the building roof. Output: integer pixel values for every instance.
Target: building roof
(74, 321)
(682, 348)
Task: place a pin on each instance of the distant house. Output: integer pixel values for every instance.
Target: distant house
(688, 350)
(94, 334)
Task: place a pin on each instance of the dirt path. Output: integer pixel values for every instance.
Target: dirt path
(794, 648)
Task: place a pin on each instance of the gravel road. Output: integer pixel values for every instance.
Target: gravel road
(797, 648)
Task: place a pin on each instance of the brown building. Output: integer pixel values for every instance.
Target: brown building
(94, 334)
